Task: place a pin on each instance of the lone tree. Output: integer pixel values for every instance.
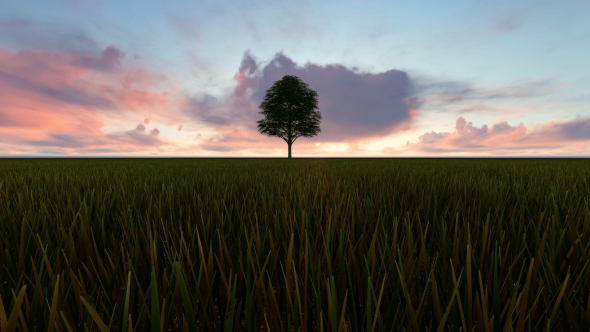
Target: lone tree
(289, 108)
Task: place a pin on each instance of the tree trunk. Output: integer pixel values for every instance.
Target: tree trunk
(290, 149)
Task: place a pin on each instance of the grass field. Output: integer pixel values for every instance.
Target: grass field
(288, 245)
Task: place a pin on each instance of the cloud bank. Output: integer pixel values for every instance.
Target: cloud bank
(354, 105)
(563, 137)
(62, 101)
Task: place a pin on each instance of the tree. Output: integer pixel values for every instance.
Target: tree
(289, 108)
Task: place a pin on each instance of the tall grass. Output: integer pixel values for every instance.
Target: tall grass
(288, 245)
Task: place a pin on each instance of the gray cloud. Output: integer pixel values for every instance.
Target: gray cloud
(439, 92)
(52, 151)
(210, 110)
(97, 151)
(60, 140)
(137, 136)
(19, 33)
(109, 59)
(186, 25)
(353, 104)
(574, 130)
(218, 148)
(509, 23)
(502, 127)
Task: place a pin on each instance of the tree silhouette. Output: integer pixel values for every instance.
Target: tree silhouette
(289, 108)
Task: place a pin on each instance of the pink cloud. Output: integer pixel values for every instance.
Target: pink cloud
(413, 105)
(88, 138)
(554, 136)
(139, 100)
(64, 100)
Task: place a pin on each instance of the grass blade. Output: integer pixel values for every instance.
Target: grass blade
(155, 314)
(95, 316)
(11, 324)
(441, 326)
(126, 305)
(53, 310)
(186, 301)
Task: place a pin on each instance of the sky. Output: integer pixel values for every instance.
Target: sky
(395, 78)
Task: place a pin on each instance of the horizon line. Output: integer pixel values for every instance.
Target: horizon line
(305, 157)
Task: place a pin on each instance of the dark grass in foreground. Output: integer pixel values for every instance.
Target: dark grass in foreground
(287, 245)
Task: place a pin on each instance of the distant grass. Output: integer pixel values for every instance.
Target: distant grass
(310, 244)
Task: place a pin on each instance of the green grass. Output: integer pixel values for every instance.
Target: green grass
(302, 244)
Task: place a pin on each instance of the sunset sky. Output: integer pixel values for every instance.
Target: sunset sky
(395, 78)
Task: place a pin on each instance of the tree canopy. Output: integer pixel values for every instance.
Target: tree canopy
(289, 109)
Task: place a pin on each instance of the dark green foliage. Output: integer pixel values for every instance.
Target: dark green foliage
(289, 108)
